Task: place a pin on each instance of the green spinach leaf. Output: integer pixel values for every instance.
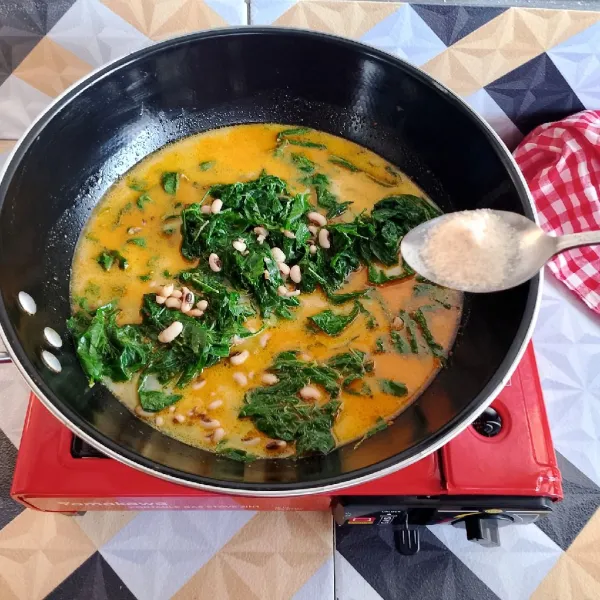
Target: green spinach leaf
(325, 198)
(107, 258)
(105, 349)
(379, 277)
(137, 184)
(394, 388)
(137, 241)
(121, 213)
(346, 297)
(436, 349)
(153, 401)
(170, 182)
(380, 425)
(345, 164)
(332, 323)
(236, 454)
(304, 164)
(143, 200)
(278, 412)
(434, 292)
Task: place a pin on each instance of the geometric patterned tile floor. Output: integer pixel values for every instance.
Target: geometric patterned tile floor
(517, 67)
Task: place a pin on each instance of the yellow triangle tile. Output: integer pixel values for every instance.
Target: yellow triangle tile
(6, 145)
(350, 19)
(101, 526)
(283, 532)
(272, 556)
(504, 44)
(321, 524)
(458, 69)
(38, 551)
(217, 579)
(585, 549)
(136, 12)
(51, 68)
(551, 27)
(160, 19)
(191, 16)
(567, 581)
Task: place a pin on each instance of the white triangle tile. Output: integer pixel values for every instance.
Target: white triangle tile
(512, 571)
(20, 104)
(578, 60)
(487, 107)
(234, 12)
(96, 34)
(558, 362)
(350, 584)
(405, 34)
(583, 453)
(14, 398)
(157, 552)
(567, 342)
(265, 12)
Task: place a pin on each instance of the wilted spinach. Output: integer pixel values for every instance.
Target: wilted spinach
(153, 401)
(278, 412)
(394, 388)
(325, 198)
(107, 258)
(106, 349)
(206, 165)
(143, 200)
(332, 323)
(380, 425)
(436, 349)
(303, 163)
(170, 182)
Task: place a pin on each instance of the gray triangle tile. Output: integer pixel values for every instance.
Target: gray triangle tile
(452, 23)
(569, 517)
(434, 572)
(534, 93)
(22, 25)
(93, 580)
(9, 509)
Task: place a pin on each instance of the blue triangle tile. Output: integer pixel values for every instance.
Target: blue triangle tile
(452, 23)
(534, 93)
(93, 580)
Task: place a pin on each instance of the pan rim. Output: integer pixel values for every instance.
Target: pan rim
(389, 465)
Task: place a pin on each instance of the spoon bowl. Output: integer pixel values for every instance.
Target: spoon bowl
(529, 248)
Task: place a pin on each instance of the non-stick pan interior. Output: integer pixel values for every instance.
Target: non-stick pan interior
(100, 129)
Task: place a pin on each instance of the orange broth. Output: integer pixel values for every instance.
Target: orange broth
(240, 153)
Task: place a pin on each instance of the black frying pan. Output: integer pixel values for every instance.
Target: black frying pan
(118, 115)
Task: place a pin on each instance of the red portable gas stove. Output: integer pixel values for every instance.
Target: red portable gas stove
(501, 470)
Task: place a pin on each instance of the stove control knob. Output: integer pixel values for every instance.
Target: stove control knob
(483, 529)
(488, 423)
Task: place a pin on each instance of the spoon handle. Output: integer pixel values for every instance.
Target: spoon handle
(573, 240)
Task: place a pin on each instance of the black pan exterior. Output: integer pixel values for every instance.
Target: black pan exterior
(125, 111)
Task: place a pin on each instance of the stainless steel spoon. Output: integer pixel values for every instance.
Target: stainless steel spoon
(533, 248)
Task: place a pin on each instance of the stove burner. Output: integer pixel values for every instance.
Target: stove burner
(489, 423)
(81, 449)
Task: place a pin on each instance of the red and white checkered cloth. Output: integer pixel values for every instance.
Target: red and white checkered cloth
(561, 163)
